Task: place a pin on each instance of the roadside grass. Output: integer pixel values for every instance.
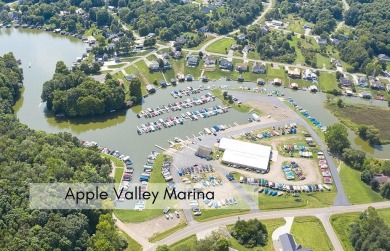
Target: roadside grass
(132, 244)
(115, 66)
(342, 223)
(305, 200)
(323, 60)
(216, 73)
(118, 174)
(189, 241)
(213, 214)
(357, 191)
(220, 45)
(271, 226)
(254, 55)
(151, 57)
(327, 81)
(278, 72)
(159, 236)
(351, 116)
(310, 233)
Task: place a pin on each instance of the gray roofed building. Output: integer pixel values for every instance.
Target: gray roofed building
(383, 57)
(154, 66)
(322, 41)
(377, 85)
(204, 152)
(181, 41)
(363, 82)
(241, 37)
(209, 60)
(224, 63)
(345, 82)
(167, 64)
(259, 68)
(287, 243)
(130, 77)
(192, 60)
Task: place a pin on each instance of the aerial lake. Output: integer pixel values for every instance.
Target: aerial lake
(118, 130)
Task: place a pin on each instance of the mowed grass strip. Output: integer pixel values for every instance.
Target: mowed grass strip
(132, 244)
(213, 214)
(221, 46)
(159, 236)
(353, 115)
(342, 225)
(357, 191)
(310, 233)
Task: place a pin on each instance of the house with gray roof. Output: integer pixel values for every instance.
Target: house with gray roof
(287, 243)
(363, 82)
(154, 66)
(209, 60)
(383, 57)
(225, 64)
(192, 60)
(259, 68)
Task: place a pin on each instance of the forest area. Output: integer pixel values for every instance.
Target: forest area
(29, 156)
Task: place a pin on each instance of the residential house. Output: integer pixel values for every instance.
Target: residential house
(130, 77)
(277, 81)
(242, 67)
(277, 23)
(294, 86)
(382, 179)
(386, 74)
(241, 37)
(154, 66)
(307, 26)
(225, 64)
(287, 243)
(209, 60)
(151, 88)
(336, 41)
(309, 75)
(345, 82)
(335, 62)
(192, 60)
(167, 64)
(296, 73)
(264, 29)
(165, 55)
(175, 54)
(377, 85)
(362, 82)
(234, 47)
(150, 35)
(383, 57)
(259, 68)
(322, 41)
(204, 29)
(248, 48)
(181, 41)
(260, 81)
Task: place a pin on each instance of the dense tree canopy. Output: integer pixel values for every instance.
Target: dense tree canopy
(250, 233)
(370, 232)
(336, 137)
(73, 94)
(29, 156)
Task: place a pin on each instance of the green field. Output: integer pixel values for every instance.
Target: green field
(351, 116)
(159, 236)
(146, 76)
(220, 45)
(132, 244)
(342, 225)
(188, 241)
(117, 162)
(115, 66)
(271, 226)
(327, 81)
(118, 175)
(356, 190)
(295, 23)
(310, 233)
(212, 214)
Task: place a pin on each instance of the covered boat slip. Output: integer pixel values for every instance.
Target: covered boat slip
(245, 154)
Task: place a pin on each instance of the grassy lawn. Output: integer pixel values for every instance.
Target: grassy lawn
(132, 244)
(279, 72)
(327, 81)
(147, 77)
(323, 60)
(351, 116)
(194, 71)
(241, 108)
(220, 45)
(159, 236)
(212, 214)
(356, 190)
(115, 66)
(189, 241)
(178, 66)
(310, 233)
(208, 38)
(385, 214)
(314, 200)
(117, 162)
(271, 226)
(253, 55)
(295, 23)
(118, 175)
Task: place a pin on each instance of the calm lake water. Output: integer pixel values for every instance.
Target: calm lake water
(118, 130)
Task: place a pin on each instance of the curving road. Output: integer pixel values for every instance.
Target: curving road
(321, 213)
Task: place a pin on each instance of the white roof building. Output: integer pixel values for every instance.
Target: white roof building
(245, 154)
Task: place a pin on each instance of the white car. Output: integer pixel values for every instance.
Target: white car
(171, 215)
(177, 214)
(166, 216)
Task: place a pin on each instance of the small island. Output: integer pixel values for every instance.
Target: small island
(71, 93)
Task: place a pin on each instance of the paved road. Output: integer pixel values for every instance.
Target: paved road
(270, 215)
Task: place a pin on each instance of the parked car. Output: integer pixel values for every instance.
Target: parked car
(166, 216)
(171, 215)
(177, 214)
